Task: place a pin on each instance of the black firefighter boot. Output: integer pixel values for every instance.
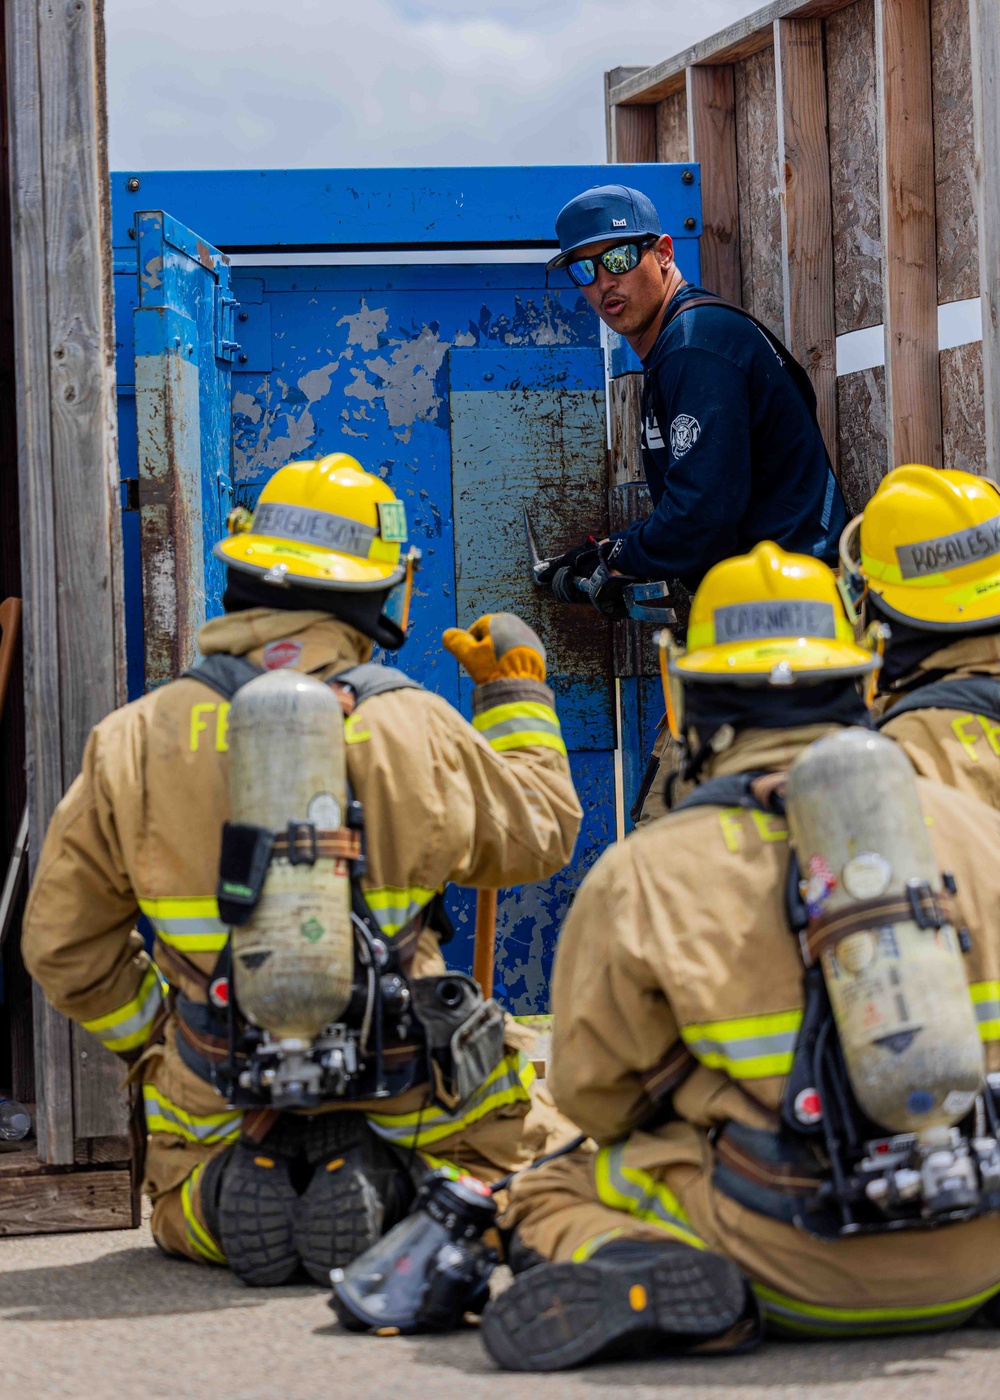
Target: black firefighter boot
(255, 1212)
(632, 1297)
(358, 1189)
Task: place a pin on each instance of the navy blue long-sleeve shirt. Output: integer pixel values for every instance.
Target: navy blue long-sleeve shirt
(731, 452)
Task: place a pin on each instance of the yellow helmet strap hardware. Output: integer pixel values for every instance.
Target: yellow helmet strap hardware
(397, 603)
(876, 639)
(667, 650)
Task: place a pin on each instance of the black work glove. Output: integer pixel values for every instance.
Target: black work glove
(607, 591)
(569, 587)
(581, 561)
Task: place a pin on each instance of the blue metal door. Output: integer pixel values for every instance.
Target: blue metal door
(470, 388)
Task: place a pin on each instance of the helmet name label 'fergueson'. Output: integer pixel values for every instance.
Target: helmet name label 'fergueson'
(781, 618)
(314, 527)
(950, 551)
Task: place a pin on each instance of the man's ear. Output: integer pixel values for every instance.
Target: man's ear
(664, 249)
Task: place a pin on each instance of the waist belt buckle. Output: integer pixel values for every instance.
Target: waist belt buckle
(302, 849)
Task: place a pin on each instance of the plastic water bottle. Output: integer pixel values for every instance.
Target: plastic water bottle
(15, 1121)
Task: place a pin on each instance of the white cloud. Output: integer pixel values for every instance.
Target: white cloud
(219, 84)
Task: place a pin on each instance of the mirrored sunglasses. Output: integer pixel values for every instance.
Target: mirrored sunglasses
(622, 258)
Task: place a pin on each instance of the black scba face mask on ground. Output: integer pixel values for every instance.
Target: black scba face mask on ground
(709, 707)
(360, 610)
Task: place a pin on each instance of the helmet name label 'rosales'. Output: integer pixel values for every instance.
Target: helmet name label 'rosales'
(317, 527)
(950, 551)
(791, 617)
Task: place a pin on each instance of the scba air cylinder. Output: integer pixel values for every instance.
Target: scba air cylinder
(899, 992)
(293, 960)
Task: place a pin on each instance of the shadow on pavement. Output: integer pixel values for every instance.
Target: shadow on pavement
(127, 1283)
(790, 1365)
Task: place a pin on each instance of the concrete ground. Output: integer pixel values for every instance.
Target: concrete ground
(105, 1315)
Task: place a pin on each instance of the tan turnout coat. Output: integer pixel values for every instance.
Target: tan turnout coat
(140, 830)
(678, 946)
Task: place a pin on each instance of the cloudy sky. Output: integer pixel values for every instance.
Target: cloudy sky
(271, 83)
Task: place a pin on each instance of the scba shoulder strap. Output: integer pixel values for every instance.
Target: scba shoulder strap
(226, 674)
(736, 790)
(978, 694)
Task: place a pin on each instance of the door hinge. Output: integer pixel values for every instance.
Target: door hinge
(226, 344)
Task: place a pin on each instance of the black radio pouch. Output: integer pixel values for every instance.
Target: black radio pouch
(246, 855)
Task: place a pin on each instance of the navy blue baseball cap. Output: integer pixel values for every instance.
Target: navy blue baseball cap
(606, 211)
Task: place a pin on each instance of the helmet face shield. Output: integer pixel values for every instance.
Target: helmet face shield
(396, 607)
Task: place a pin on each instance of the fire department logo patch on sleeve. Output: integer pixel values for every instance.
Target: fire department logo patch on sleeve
(684, 433)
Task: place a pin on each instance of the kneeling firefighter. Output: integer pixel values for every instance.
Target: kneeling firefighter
(285, 815)
(762, 1015)
(925, 559)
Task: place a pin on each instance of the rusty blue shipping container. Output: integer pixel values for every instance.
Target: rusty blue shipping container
(246, 340)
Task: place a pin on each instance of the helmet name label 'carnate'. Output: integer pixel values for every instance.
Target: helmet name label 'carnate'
(793, 617)
(950, 551)
(308, 526)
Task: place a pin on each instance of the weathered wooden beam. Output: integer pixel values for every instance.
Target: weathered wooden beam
(633, 134)
(747, 36)
(711, 114)
(806, 212)
(67, 449)
(985, 23)
(909, 233)
(58, 1202)
(611, 79)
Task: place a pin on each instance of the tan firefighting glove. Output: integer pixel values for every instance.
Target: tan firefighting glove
(497, 647)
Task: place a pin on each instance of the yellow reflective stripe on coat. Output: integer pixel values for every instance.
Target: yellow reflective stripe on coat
(523, 724)
(590, 1247)
(189, 923)
(162, 1116)
(199, 1237)
(811, 1318)
(641, 1195)
(128, 1027)
(751, 1047)
(395, 905)
(986, 1002)
(509, 1083)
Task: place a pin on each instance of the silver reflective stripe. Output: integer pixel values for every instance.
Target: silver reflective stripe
(162, 1116)
(140, 1019)
(316, 527)
(640, 1194)
(950, 551)
(751, 1048)
(521, 724)
(746, 622)
(413, 1129)
(187, 928)
(988, 1010)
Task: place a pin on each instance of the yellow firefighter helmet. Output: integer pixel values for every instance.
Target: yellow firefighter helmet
(321, 524)
(928, 547)
(763, 618)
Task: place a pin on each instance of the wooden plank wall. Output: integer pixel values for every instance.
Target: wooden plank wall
(68, 472)
(851, 217)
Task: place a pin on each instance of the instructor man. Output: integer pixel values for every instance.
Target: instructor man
(731, 448)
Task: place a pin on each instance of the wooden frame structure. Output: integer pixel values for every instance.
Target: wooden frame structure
(849, 154)
(71, 580)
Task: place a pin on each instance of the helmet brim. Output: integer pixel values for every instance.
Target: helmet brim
(933, 609)
(751, 663)
(315, 568)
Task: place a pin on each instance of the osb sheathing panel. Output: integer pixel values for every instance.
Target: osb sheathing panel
(954, 152)
(853, 118)
(760, 210)
(862, 435)
(671, 128)
(962, 414)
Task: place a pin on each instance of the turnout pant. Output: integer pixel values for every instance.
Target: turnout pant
(652, 1185)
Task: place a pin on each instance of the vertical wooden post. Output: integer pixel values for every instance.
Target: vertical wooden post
(711, 114)
(909, 234)
(484, 948)
(806, 212)
(633, 134)
(67, 449)
(985, 23)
